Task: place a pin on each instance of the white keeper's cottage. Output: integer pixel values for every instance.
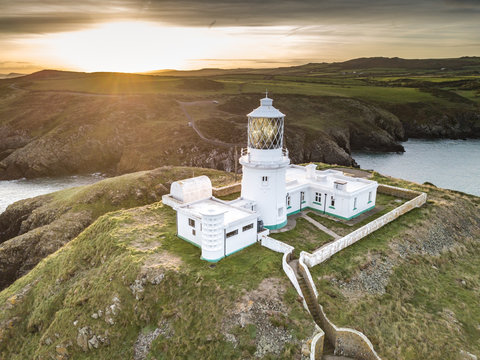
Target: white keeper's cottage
(272, 189)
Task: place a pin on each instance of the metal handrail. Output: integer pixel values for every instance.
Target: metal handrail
(245, 151)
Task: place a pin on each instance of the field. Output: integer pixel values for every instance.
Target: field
(372, 84)
(120, 123)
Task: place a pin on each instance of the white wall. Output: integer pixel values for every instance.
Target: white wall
(295, 201)
(185, 230)
(243, 239)
(343, 202)
(276, 245)
(270, 196)
(362, 201)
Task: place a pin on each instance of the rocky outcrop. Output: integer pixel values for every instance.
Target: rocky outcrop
(423, 120)
(34, 228)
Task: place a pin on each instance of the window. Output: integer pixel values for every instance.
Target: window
(354, 203)
(318, 197)
(247, 227)
(191, 222)
(288, 200)
(194, 232)
(332, 201)
(302, 196)
(280, 211)
(232, 233)
(370, 197)
(264, 180)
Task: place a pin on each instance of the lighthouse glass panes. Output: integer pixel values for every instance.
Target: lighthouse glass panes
(265, 133)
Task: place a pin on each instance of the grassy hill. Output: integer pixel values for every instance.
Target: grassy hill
(56, 123)
(126, 287)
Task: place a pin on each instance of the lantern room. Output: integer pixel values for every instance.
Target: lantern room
(265, 127)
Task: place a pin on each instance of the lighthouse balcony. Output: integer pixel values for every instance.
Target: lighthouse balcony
(264, 158)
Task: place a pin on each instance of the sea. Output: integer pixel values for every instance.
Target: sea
(450, 164)
(14, 190)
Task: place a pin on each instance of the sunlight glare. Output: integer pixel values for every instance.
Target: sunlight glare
(132, 47)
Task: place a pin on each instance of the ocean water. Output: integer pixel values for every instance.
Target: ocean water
(14, 190)
(450, 164)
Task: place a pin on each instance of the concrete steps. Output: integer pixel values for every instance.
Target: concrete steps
(314, 308)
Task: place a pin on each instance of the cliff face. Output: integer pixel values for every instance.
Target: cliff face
(47, 132)
(422, 120)
(32, 229)
(52, 134)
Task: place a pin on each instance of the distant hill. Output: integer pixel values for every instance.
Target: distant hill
(10, 75)
(395, 62)
(359, 63)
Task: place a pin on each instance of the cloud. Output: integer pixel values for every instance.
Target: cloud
(29, 16)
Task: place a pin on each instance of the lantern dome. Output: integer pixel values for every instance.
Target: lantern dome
(266, 109)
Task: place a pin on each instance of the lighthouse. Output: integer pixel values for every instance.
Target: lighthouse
(272, 189)
(264, 164)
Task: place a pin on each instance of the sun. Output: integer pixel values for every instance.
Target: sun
(131, 47)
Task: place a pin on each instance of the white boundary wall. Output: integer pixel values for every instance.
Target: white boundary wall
(332, 248)
(357, 340)
(276, 245)
(319, 337)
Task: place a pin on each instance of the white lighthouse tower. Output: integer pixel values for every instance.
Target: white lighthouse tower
(264, 164)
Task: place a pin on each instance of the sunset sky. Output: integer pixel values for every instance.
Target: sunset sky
(134, 36)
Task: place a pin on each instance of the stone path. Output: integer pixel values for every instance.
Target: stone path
(195, 128)
(292, 222)
(320, 226)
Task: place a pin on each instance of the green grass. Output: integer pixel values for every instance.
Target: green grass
(387, 202)
(104, 260)
(231, 196)
(304, 237)
(329, 84)
(426, 311)
(124, 190)
(379, 94)
(412, 319)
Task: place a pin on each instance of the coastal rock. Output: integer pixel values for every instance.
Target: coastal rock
(33, 228)
(82, 337)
